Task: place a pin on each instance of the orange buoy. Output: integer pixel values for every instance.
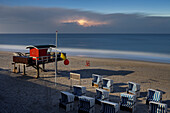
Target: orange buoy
(66, 62)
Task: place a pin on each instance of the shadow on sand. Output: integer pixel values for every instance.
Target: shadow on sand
(17, 94)
(87, 73)
(118, 87)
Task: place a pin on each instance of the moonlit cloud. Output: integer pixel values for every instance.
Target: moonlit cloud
(85, 22)
(48, 20)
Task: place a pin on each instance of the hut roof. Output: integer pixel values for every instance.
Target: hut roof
(39, 46)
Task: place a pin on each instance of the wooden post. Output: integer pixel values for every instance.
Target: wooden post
(37, 66)
(14, 69)
(19, 68)
(43, 66)
(24, 69)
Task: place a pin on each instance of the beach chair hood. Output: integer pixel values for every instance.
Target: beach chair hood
(156, 107)
(133, 86)
(109, 106)
(88, 99)
(97, 78)
(102, 93)
(107, 82)
(129, 97)
(154, 95)
(79, 90)
(70, 96)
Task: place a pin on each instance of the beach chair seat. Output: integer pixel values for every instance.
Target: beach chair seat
(153, 95)
(86, 104)
(128, 102)
(79, 90)
(97, 80)
(109, 107)
(133, 88)
(67, 101)
(101, 95)
(156, 107)
(107, 84)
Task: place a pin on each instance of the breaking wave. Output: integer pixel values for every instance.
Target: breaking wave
(131, 55)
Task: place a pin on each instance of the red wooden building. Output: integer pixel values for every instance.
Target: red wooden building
(39, 51)
(39, 54)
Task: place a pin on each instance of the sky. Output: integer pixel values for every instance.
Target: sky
(85, 16)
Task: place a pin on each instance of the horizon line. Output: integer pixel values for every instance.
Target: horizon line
(80, 33)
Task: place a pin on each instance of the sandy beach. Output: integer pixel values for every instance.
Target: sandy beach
(25, 94)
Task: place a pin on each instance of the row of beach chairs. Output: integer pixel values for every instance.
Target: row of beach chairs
(104, 83)
(86, 104)
(154, 97)
(127, 102)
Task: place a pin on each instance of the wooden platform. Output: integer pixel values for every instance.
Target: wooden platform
(27, 61)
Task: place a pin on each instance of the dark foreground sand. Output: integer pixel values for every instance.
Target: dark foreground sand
(22, 94)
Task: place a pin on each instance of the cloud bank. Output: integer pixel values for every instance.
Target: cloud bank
(48, 20)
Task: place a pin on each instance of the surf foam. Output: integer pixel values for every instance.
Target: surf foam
(131, 55)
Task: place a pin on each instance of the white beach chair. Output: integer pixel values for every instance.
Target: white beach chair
(67, 101)
(153, 95)
(156, 107)
(101, 95)
(128, 102)
(97, 80)
(107, 84)
(133, 88)
(86, 104)
(79, 90)
(109, 107)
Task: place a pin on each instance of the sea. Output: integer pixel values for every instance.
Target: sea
(142, 47)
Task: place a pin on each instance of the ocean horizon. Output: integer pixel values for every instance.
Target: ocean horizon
(142, 47)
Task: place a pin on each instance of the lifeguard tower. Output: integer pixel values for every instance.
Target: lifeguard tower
(38, 55)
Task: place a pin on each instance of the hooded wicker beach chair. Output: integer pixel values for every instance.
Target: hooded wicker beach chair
(109, 107)
(153, 95)
(86, 104)
(156, 107)
(67, 101)
(128, 102)
(107, 84)
(133, 88)
(101, 95)
(97, 80)
(79, 90)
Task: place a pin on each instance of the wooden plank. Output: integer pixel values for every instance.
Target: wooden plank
(22, 59)
(75, 76)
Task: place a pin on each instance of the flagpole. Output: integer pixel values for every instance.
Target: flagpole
(56, 60)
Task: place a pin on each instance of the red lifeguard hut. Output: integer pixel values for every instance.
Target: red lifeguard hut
(39, 54)
(40, 51)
